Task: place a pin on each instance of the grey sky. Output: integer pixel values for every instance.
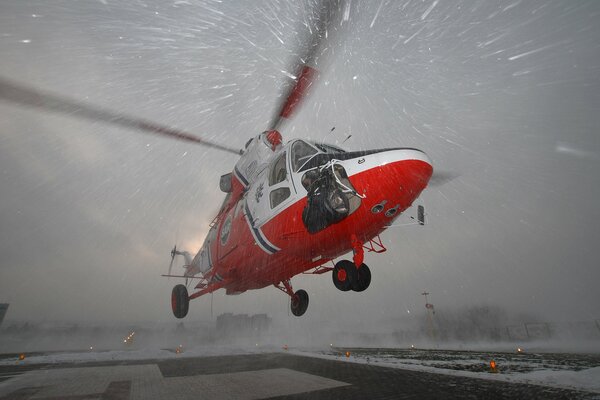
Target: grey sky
(504, 93)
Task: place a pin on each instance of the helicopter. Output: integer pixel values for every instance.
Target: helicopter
(290, 207)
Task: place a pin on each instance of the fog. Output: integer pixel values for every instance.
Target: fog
(504, 95)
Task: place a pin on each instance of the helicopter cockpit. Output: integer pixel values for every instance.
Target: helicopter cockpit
(331, 196)
(297, 171)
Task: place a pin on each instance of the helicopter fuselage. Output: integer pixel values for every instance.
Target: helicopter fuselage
(264, 234)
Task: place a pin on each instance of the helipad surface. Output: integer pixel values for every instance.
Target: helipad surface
(256, 376)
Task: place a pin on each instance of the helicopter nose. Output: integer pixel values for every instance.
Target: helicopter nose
(405, 172)
(416, 166)
(413, 163)
(411, 168)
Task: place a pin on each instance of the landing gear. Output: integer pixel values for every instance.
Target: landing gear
(363, 278)
(346, 276)
(299, 303)
(180, 301)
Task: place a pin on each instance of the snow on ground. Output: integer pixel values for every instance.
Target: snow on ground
(570, 371)
(588, 379)
(544, 369)
(130, 355)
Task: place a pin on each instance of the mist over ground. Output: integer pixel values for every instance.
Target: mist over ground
(478, 328)
(506, 95)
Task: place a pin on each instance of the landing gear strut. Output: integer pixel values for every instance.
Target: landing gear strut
(180, 301)
(299, 302)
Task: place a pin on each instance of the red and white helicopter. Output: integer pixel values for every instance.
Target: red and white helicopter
(290, 208)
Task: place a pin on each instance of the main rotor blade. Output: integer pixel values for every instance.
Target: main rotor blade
(326, 17)
(440, 178)
(23, 95)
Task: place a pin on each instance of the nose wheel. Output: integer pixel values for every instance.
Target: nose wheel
(347, 277)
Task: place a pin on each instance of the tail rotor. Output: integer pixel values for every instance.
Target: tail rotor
(173, 254)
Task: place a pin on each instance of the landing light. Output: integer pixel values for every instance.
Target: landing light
(493, 367)
(129, 338)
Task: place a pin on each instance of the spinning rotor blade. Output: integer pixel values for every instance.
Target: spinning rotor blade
(440, 178)
(326, 17)
(19, 94)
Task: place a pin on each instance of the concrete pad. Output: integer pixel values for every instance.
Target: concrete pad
(247, 385)
(147, 382)
(256, 376)
(78, 381)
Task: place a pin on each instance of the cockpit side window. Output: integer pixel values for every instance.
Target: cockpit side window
(277, 196)
(301, 153)
(278, 171)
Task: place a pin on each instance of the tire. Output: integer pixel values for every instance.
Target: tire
(180, 302)
(363, 278)
(344, 275)
(299, 303)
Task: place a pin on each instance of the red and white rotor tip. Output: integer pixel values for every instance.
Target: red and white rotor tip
(299, 92)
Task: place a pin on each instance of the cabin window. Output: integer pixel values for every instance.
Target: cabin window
(279, 195)
(278, 171)
(301, 153)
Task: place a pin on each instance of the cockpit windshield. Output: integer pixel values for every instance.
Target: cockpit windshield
(301, 153)
(329, 148)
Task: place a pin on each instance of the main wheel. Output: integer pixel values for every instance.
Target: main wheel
(344, 275)
(299, 303)
(180, 302)
(363, 278)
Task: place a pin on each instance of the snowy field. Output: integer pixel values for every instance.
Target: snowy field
(571, 371)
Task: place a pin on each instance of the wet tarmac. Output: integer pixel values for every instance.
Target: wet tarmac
(255, 376)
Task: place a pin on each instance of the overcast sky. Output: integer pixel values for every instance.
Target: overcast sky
(505, 93)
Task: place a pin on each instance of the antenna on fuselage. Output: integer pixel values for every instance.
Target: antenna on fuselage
(327, 134)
